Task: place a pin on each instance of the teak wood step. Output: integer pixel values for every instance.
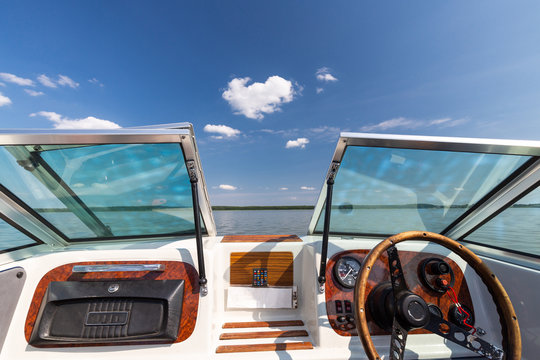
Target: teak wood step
(263, 334)
(255, 324)
(300, 345)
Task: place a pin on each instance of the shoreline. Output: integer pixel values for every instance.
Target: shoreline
(283, 207)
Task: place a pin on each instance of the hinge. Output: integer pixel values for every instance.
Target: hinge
(192, 171)
(332, 171)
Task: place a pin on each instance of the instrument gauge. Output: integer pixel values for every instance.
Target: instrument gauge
(346, 271)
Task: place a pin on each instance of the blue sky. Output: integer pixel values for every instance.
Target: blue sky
(269, 85)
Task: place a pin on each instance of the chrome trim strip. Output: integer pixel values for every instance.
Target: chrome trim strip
(440, 143)
(117, 267)
(121, 136)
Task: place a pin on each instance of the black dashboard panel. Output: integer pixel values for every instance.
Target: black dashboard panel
(81, 312)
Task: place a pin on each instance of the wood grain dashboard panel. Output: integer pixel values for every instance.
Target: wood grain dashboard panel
(174, 270)
(260, 238)
(411, 265)
(278, 263)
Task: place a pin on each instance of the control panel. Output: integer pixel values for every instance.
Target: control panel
(433, 277)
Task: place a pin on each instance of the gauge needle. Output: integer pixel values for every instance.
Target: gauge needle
(350, 269)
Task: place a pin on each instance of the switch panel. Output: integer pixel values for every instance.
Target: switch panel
(339, 307)
(260, 277)
(348, 307)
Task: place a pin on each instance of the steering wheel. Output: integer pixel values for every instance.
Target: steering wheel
(411, 310)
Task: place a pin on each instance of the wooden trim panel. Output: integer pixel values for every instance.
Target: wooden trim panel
(173, 270)
(278, 263)
(260, 238)
(256, 324)
(263, 334)
(305, 345)
(410, 262)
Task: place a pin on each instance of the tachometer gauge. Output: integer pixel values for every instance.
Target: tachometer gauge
(346, 271)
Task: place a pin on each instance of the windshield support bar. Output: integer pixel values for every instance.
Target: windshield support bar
(34, 163)
(326, 230)
(197, 221)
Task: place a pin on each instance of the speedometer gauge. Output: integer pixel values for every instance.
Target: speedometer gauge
(346, 271)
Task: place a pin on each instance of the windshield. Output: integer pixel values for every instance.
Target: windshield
(102, 191)
(515, 228)
(13, 237)
(383, 191)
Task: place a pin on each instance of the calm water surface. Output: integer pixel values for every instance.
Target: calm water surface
(516, 228)
(256, 222)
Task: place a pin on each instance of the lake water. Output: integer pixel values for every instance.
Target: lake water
(257, 222)
(516, 228)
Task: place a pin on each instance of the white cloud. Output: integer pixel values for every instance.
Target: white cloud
(439, 121)
(16, 80)
(392, 123)
(323, 74)
(319, 90)
(227, 187)
(309, 188)
(66, 81)
(326, 77)
(257, 99)
(4, 100)
(46, 81)
(90, 122)
(33, 92)
(405, 123)
(447, 122)
(300, 142)
(322, 133)
(2, 84)
(283, 188)
(222, 130)
(95, 82)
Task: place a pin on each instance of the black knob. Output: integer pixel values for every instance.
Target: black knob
(341, 319)
(350, 319)
(440, 267)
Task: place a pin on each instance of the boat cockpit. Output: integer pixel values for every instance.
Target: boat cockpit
(418, 248)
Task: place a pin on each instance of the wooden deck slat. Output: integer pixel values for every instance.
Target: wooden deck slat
(305, 345)
(261, 238)
(263, 334)
(255, 324)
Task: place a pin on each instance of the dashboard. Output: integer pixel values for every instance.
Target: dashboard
(428, 275)
(109, 295)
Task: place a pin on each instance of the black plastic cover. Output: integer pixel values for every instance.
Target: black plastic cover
(85, 312)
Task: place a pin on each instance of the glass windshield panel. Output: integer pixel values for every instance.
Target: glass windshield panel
(103, 191)
(387, 191)
(514, 229)
(12, 239)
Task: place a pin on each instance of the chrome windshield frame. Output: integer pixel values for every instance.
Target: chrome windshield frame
(181, 134)
(498, 200)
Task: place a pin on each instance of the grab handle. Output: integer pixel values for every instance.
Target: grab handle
(117, 267)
